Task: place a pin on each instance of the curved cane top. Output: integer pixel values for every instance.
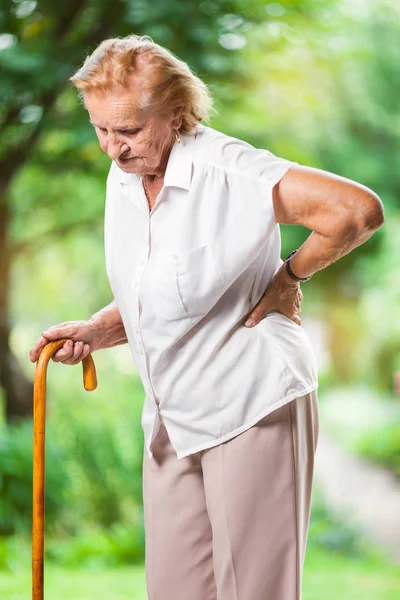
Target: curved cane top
(89, 370)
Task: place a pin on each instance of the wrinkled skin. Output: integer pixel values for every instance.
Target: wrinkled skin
(84, 337)
(282, 295)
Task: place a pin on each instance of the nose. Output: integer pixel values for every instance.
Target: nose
(115, 148)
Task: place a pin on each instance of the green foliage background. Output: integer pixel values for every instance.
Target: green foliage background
(314, 81)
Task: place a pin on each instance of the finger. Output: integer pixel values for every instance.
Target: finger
(83, 355)
(37, 348)
(292, 316)
(56, 332)
(86, 351)
(65, 352)
(76, 356)
(259, 311)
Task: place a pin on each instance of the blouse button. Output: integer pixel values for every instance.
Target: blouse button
(175, 257)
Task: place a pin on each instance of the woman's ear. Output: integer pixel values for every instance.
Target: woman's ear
(177, 117)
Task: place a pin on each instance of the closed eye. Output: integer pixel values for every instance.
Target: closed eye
(123, 131)
(128, 131)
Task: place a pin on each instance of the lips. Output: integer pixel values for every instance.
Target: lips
(128, 159)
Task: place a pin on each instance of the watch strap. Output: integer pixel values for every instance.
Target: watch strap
(289, 269)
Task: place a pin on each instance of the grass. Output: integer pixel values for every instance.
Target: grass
(331, 576)
(326, 575)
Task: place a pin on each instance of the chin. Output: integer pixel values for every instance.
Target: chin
(126, 168)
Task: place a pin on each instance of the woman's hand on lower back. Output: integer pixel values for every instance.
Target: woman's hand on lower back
(283, 295)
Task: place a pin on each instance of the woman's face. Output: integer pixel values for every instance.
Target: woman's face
(137, 143)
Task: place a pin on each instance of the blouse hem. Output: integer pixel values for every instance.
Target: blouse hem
(295, 394)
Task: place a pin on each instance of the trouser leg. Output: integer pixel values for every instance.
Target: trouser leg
(178, 536)
(258, 495)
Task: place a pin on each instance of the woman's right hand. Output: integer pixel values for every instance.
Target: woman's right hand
(84, 337)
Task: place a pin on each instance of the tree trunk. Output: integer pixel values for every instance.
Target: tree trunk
(18, 390)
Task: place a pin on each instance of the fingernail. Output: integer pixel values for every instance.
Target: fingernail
(249, 323)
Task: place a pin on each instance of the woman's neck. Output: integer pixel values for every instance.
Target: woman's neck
(154, 180)
(157, 177)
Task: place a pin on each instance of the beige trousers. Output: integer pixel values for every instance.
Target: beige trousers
(231, 522)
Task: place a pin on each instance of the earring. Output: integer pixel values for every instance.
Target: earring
(177, 136)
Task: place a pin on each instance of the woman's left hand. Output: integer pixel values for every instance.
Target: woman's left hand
(282, 295)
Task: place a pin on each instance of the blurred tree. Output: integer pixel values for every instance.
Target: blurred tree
(41, 42)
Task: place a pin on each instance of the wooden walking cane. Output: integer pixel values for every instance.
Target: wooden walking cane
(39, 446)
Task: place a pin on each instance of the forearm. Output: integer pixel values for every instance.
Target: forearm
(341, 214)
(319, 251)
(109, 322)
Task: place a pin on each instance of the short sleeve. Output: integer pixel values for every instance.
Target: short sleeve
(273, 167)
(260, 164)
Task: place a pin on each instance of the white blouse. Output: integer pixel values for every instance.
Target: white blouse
(185, 275)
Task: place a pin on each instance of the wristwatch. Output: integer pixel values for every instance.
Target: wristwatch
(289, 270)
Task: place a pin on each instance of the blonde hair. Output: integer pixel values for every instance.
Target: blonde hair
(166, 81)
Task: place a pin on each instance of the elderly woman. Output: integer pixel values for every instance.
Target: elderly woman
(211, 316)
